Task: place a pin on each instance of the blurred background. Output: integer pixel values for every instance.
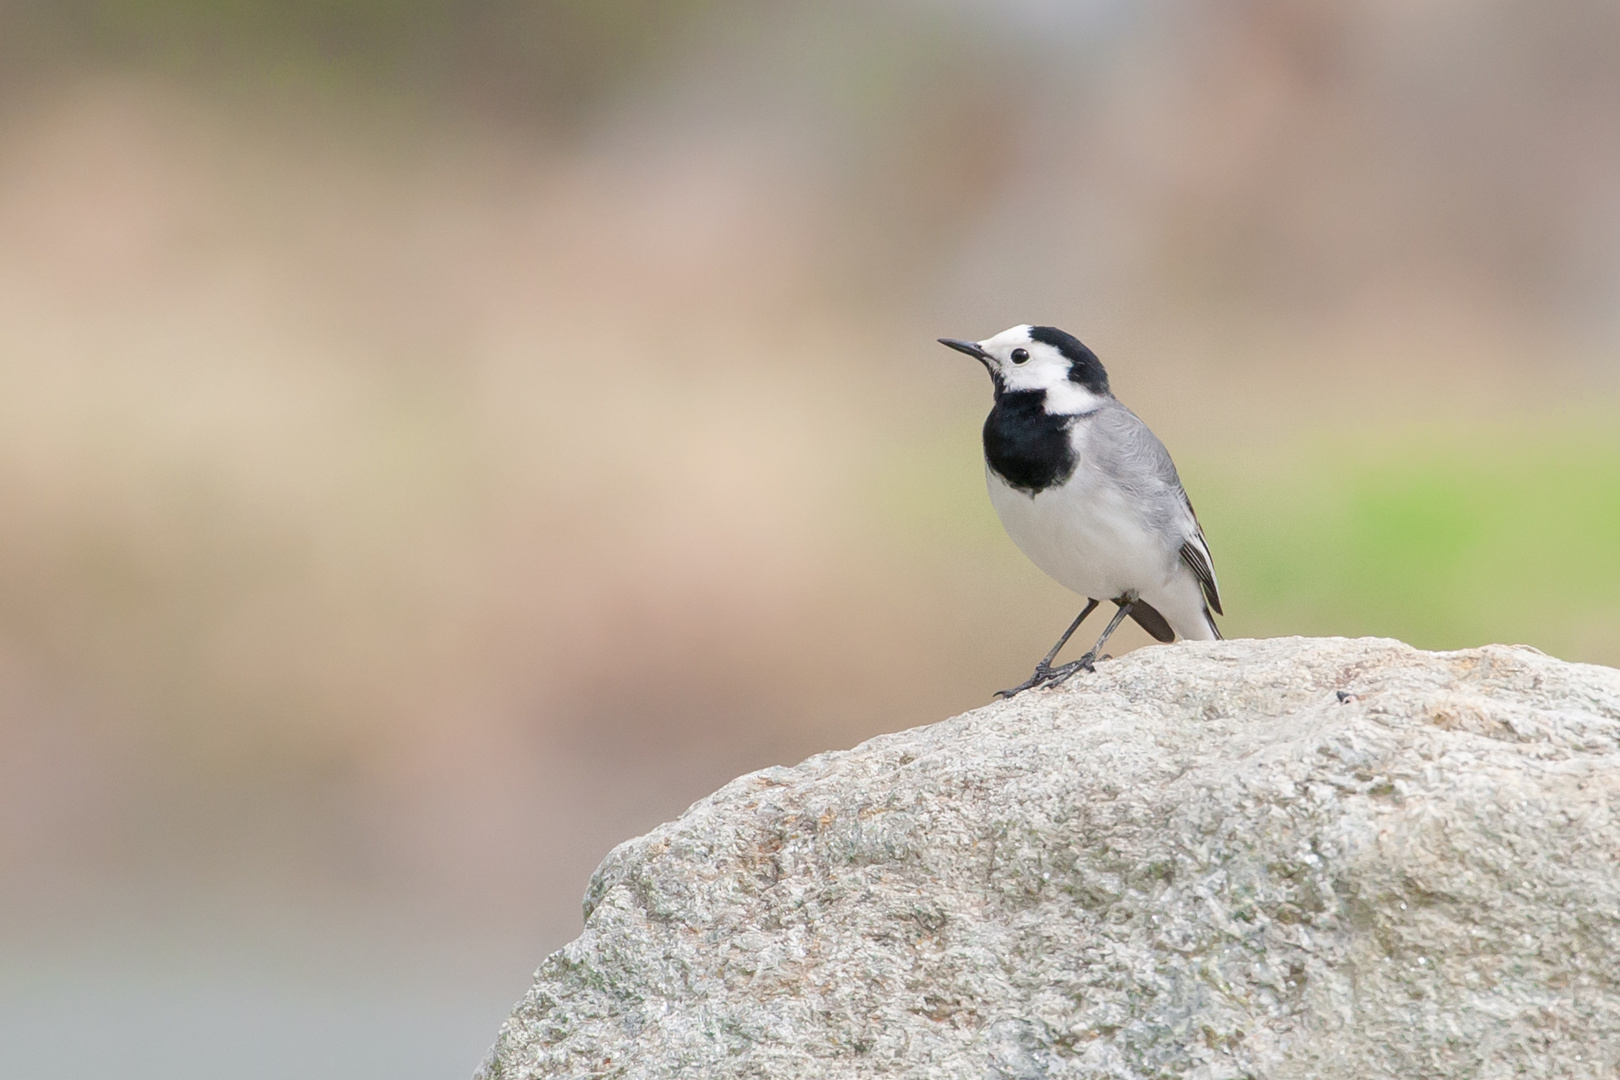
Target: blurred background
(442, 439)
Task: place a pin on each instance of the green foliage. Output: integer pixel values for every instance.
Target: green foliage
(1485, 535)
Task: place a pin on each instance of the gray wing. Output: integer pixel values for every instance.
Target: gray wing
(1134, 459)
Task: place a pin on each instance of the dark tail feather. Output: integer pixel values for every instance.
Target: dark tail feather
(1149, 619)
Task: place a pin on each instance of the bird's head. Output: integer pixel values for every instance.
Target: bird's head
(1031, 358)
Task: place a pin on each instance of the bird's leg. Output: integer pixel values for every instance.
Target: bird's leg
(1126, 601)
(1043, 670)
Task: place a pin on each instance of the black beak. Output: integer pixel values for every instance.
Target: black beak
(972, 350)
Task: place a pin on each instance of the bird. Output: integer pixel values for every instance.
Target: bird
(1090, 494)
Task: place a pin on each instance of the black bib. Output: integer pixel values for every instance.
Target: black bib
(1025, 445)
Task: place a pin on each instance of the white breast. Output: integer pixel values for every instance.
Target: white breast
(1082, 534)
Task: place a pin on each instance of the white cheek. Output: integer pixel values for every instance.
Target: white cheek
(1028, 378)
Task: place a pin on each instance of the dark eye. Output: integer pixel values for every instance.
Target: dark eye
(1020, 355)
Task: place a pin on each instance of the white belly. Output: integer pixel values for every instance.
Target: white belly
(1087, 537)
(1083, 535)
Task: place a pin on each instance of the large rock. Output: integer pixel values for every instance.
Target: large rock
(1284, 858)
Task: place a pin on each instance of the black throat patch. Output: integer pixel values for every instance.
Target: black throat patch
(1025, 445)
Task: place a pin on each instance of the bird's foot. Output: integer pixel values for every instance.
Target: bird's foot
(1042, 674)
(1059, 674)
(1049, 676)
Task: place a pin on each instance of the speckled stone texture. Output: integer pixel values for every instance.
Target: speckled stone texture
(1199, 862)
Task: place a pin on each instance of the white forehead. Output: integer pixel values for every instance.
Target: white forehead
(1008, 338)
(1042, 357)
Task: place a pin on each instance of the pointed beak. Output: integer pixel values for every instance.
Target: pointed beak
(972, 349)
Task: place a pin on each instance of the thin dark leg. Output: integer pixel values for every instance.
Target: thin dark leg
(1091, 605)
(1043, 670)
(1127, 602)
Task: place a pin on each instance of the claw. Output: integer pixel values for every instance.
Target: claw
(1050, 676)
(1042, 676)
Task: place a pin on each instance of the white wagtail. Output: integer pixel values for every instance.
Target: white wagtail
(1089, 493)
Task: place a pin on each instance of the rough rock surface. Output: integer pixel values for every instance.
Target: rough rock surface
(1198, 862)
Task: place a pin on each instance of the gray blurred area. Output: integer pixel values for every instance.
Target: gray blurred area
(440, 440)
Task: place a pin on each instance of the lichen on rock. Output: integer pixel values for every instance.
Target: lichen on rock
(1283, 858)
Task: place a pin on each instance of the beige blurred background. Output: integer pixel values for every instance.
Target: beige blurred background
(441, 440)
